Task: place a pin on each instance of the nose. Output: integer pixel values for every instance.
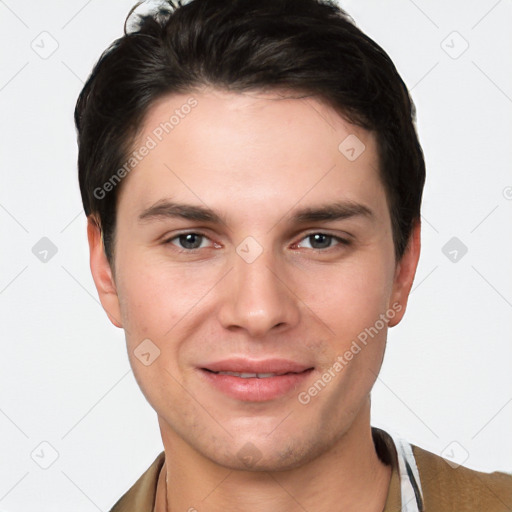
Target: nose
(257, 297)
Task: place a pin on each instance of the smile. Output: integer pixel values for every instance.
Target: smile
(254, 386)
(250, 375)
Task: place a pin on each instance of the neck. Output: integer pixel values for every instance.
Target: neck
(348, 477)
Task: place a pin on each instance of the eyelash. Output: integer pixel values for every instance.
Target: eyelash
(341, 241)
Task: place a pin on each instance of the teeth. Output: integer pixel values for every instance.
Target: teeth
(249, 375)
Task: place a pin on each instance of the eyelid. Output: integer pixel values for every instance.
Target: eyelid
(167, 239)
(342, 240)
(345, 237)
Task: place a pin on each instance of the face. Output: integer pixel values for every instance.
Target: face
(254, 275)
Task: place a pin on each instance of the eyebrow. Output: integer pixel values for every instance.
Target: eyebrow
(331, 212)
(168, 209)
(326, 213)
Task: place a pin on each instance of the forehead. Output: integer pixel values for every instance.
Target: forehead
(259, 148)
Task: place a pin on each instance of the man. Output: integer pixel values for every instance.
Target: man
(252, 179)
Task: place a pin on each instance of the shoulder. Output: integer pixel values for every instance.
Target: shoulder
(449, 487)
(141, 495)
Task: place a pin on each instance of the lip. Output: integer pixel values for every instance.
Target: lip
(289, 375)
(245, 365)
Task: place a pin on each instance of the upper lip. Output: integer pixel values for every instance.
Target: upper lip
(244, 365)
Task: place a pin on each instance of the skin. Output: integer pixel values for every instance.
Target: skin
(255, 159)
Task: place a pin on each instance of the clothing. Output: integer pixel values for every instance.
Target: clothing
(420, 482)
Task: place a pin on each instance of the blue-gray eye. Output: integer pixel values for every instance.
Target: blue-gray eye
(189, 240)
(320, 240)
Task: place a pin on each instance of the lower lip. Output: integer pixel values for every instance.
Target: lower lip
(254, 389)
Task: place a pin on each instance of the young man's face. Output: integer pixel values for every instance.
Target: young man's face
(262, 287)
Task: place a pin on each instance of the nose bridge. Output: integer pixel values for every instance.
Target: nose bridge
(257, 298)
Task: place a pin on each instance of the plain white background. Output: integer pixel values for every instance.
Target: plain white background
(65, 380)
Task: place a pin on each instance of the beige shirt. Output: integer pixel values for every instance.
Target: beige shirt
(441, 487)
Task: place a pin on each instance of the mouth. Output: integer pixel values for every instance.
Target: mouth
(248, 375)
(255, 381)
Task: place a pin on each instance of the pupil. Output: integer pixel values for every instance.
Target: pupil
(321, 240)
(190, 241)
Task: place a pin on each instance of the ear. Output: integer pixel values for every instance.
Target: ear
(102, 273)
(404, 274)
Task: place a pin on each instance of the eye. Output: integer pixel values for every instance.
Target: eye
(319, 241)
(189, 241)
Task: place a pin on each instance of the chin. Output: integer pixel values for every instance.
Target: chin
(263, 455)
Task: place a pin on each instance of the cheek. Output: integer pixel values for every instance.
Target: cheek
(143, 301)
(157, 299)
(349, 297)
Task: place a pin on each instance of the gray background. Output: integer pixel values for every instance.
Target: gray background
(65, 379)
